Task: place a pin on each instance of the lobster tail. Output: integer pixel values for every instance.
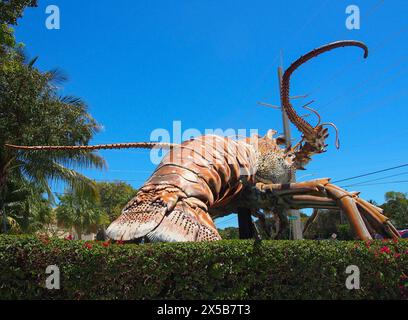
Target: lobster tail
(150, 215)
(185, 223)
(299, 122)
(172, 205)
(143, 217)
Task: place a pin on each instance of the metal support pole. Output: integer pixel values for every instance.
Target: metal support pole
(297, 228)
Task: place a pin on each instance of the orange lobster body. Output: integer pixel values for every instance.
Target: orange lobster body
(198, 175)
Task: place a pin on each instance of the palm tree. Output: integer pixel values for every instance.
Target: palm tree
(31, 113)
(80, 213)
(26, 207)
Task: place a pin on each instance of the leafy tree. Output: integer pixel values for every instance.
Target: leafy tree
(113, 196)
(396, 208)
(229, 233)
(344, 232)
(80, 213)
(270, 227)
(10, 11)
(27, 210)
(32, 113)
(325, 223)
(86, 214)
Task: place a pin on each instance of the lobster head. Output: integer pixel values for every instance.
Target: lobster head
(313, 137)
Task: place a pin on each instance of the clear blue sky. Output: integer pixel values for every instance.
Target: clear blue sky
(142, 64)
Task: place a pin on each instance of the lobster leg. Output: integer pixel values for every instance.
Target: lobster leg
(365, 219)
(348, 205)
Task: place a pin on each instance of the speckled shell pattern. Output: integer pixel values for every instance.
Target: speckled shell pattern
(205, 172)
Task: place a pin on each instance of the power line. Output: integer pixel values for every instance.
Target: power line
(371, 173)
(372, 180)
(225, 221)
(117, 180)
(129, 171)
(352, 163)
(374, 8)
(367, 90)
(293, 38)
(379, 183)
(347, 65)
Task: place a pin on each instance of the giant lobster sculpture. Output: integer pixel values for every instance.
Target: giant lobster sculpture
(211, 176)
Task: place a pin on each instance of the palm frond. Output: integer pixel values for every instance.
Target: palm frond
(56, 77)
(31, 63)
(77, 181)
(72, 100)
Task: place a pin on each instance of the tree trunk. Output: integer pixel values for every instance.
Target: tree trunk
(78, 230)
(4, 218)
(3, 177)
(3, 180)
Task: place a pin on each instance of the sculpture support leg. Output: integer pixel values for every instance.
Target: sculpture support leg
(365, 219)
(245, 223)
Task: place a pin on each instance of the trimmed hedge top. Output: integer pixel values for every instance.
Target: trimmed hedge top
(230, 269)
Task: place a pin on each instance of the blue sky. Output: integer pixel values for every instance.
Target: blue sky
(142, 64)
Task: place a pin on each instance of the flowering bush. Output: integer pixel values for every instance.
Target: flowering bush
(87, 245)
(233, 269)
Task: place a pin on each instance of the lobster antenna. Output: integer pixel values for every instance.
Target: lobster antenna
(300, 123)
(306, 106)
(137, 145)
(337, 132)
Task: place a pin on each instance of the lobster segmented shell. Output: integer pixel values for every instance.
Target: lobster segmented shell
(172, 205)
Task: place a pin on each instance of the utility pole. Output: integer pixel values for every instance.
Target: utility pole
(297, 228)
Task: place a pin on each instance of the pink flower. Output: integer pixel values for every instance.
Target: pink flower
(397, 255)
(385, 249)
(87, 245)
(119, 241)
(69, 237)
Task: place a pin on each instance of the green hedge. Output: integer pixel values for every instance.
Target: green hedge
(234, 269)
